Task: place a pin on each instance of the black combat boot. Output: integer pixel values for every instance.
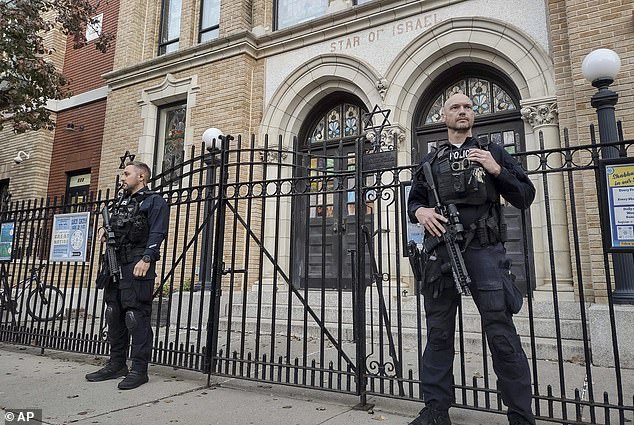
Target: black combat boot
(133, 380)
(109, 371)
(515, 419)
(432, 416)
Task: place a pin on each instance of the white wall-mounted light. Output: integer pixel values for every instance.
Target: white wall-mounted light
(601, 65)
(21, 156)
(212, 139)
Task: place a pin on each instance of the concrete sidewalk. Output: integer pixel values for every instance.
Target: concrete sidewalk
(54, 382)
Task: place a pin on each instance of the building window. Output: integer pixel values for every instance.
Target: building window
(171, 142)
(487, 97)
(93, 27)
(291, 12)
(209, 20)
(170, 26)
(5, 196)
(77, 186)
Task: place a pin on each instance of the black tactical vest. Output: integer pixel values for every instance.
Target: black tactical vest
(129, 224)
(460, 181)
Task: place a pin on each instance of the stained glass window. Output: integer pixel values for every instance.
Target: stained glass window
(171, 144)
(342, 121)
(334, 124)
(487, 97)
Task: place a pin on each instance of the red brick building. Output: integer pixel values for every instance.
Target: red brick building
(77, 143)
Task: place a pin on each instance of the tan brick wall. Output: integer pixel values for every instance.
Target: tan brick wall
(141, 21)
(136, 23)
(190, 23)
(235, 16)
(578, 27)
(57, 41)
(262, 11)
(29, 179)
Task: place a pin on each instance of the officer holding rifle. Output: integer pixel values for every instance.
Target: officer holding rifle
(469, 175)
(134, 230)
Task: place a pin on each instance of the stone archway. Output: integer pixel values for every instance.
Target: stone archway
(290, 107)
(307, 85)
(525, 63)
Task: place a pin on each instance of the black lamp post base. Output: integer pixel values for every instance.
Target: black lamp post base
(622, 297)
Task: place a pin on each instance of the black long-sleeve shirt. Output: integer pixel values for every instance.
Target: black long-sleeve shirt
(512, 183)
(157, 211)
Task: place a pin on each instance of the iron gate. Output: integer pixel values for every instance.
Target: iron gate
(229, 300)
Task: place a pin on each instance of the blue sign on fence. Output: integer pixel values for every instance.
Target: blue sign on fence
(618, 187)
(69, 241)
(7, 231)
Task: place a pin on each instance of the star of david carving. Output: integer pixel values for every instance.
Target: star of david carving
(368, 119)
(126, 155)
(374, 133)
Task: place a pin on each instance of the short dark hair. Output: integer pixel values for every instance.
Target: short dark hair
(143, 168)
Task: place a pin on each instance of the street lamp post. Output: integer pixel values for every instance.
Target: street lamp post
(213, 142)
(215, 261)
(600, 67)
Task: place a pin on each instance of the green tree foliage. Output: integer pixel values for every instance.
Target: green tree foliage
(28, 78)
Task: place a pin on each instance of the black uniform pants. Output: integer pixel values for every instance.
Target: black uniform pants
(488, 277)
(129, 307)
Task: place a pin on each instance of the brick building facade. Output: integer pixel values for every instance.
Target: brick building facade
(264, 73)
(270, 66)
(73, 149)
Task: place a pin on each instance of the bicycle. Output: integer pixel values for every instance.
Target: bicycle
(43, 302)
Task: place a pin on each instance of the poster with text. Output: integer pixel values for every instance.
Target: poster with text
(7, 232)
(620, 193)
(69, 241)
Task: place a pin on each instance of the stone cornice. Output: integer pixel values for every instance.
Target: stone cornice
(199, 55)
(349, 21)
(539, 112)
(327, 27)
(77, 100)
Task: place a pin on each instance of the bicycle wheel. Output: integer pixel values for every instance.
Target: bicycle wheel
(45, 303)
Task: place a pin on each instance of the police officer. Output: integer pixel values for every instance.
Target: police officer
(139, 221)
(472, 175)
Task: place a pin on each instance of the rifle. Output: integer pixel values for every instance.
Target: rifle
(452, 235)
(114, 268)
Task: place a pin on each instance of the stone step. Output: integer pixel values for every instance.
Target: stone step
(568, 310)
(545, 348)
(543, 327)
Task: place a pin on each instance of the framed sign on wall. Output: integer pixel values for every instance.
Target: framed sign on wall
(616, 204)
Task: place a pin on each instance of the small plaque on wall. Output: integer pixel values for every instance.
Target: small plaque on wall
(616, 179)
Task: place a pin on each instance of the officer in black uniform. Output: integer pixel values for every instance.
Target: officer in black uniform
(139, 220)
(472, 175)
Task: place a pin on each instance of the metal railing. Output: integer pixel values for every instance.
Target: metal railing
(280, 267)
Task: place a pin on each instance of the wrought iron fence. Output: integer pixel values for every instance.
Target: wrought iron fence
(289, 266)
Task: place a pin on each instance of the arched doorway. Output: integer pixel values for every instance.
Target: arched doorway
(497, 108)
(324, 221)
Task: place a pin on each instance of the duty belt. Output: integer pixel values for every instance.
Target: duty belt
(126, 253)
